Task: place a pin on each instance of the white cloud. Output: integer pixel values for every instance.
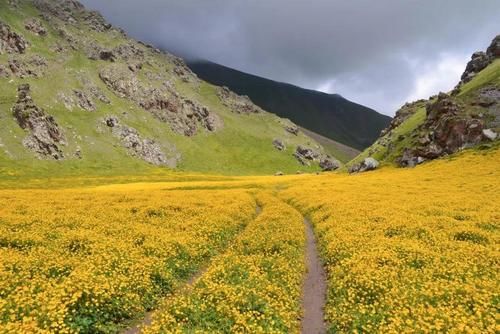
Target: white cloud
(437, 77)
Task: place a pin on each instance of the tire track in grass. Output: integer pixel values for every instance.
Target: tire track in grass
(148, 317)
(314, 295)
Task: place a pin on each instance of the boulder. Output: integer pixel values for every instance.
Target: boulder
(367, 164)
(409, 159)
(279, 145)
(329, 164)
(490, 134)
(279, 174)
(111, 121)
(107, 55)
(305, 155)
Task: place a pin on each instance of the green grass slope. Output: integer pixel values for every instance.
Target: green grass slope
(242, 146)
(329, 115)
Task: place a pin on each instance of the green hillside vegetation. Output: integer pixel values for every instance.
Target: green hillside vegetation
(329, 115)
(243, 144)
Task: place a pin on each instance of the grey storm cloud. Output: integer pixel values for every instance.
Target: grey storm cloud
(378, 53)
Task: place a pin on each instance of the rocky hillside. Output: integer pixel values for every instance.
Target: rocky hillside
(79, 95)
(448, 122)
(329, 115)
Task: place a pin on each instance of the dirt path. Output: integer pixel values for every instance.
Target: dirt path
(148, 317)
(314, 287)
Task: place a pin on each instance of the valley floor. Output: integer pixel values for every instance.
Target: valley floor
(402, 250)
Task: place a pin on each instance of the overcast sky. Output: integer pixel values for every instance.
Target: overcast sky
(378, 53)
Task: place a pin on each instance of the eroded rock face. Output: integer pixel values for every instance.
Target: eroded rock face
(129, 51)
(62, 9)
(10, 41)
(494, 48)
(236, 103)
(45, 136)
(446, 130)
(35, 26)
(94, 51)
(143, 148)
(96, 21)
(184, 116)
(182, 71)
(24, 67)
(479, 61)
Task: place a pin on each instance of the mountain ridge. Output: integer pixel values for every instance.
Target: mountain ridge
(330, 115)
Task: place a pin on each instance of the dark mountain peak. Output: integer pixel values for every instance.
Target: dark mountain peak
(329, 115)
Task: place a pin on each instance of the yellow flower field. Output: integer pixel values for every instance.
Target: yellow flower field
(406, 250)
(410, 250)
(253, 287)
(83, 260)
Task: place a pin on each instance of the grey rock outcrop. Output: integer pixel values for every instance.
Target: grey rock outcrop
(84, 101)
(494, 48)
(10, 41)
(409, 159)
(63, 10)
(143, 148)
(35, 26)
(306, 155)
(236, 103)
(95, 21)
(31, 66)
(479, 61)
(279, 144)
(292, 128)
(45, 136)
(185, 116)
